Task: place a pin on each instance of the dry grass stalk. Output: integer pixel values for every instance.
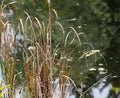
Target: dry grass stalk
(39, 56)
(0, 24)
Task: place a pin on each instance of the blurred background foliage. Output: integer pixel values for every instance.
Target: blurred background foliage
(99, 20)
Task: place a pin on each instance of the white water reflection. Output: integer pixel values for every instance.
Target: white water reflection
(57, 90)
(7, 14)
(0, 74)
(101, 91)
(18, 93)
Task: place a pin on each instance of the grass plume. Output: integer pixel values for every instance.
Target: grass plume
(42, 60)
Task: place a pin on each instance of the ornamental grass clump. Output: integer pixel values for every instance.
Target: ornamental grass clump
(44, 58)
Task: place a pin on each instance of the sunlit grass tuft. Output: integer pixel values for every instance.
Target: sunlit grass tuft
(44, 59)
